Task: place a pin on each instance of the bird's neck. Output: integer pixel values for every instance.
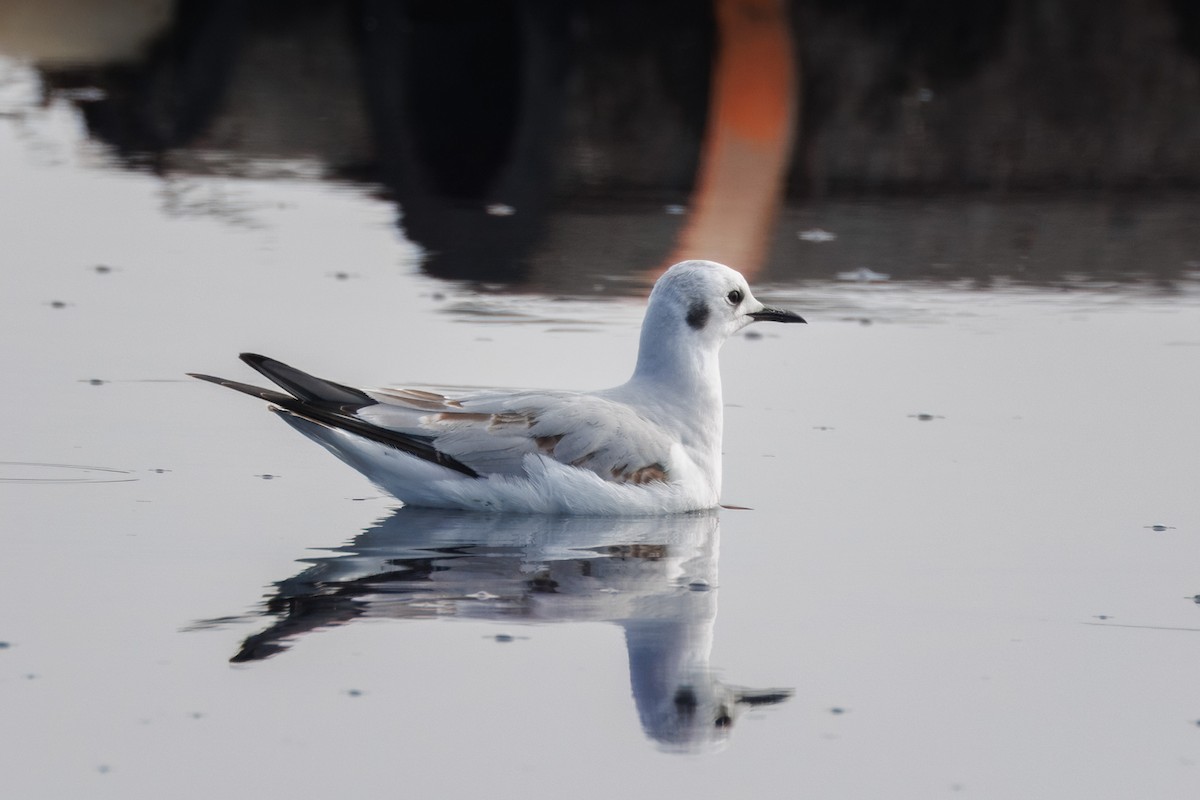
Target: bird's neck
(676, 384)
(691, 374)
(680, 389)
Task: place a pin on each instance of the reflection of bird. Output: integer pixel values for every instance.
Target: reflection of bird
(655, 577)
(651, 445)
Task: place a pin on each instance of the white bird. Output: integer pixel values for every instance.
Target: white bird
(649, 446)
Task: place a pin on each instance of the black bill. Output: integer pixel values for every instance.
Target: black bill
(776, 315)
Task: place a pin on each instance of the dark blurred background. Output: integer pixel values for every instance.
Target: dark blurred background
(1020, 138)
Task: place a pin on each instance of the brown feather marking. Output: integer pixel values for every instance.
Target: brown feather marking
(510, 419)
(643, 475)
(425, 395)
(462, 416)
(547, 443)
(414, 398)
(494, 422)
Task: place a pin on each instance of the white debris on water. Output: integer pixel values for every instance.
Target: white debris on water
(863, 275)
(817, 235)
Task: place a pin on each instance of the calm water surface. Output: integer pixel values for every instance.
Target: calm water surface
(968, 566)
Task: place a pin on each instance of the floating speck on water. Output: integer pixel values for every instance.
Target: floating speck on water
(57, 304)
(341, 276)
(753, 335)
(817, 235)
(1195, 599)
(437, 297)
(160, 470)
(674, 209)
(822, 427)
(1102, 616)
(500, 210)
(354, 692)
(4, 645)
(104, 769)
(96, 381)
(837, 710)
(1160, 528)
(266, 476)
(102, 269)
(503, 637)
(925, 417)
(197, 715)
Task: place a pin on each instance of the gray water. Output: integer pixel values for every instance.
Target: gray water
(968, 566)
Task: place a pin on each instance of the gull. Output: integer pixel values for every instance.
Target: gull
(649, 446)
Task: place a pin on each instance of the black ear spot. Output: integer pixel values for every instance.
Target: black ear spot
(697, 315)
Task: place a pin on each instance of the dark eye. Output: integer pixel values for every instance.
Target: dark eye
(734, 297)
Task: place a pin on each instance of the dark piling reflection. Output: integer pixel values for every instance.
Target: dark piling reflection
(655, 577)
(546, 144)
(478, 123)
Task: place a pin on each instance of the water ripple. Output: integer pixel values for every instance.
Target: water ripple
(32, 472)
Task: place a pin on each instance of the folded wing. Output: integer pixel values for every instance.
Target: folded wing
(476, 434)
(494, 432)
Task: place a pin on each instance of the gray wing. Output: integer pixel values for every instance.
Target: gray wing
(494, 432)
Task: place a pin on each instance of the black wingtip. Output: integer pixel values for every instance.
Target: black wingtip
(253, 359)
(307, 387)
(270, 395)
(332, 405)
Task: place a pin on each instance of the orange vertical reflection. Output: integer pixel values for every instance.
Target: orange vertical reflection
(747, 144)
